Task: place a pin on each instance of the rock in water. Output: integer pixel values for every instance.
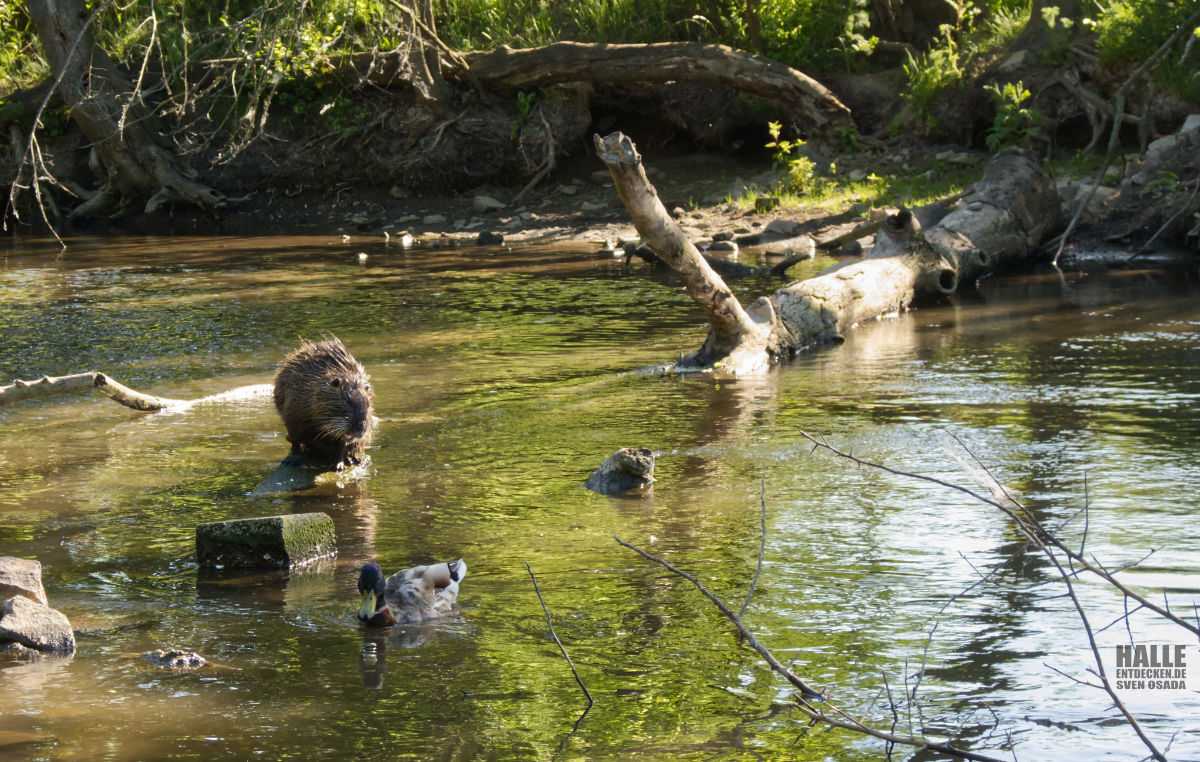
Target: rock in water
(21, 576)
(174, 659)
(35, 626)
(268, 541)
(626, 469)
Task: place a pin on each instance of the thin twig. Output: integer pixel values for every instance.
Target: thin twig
(808, 710)
(554, 635)
(1047, 543)
(791, 676)
(1026, 523)
(802, 699)
(762, 547)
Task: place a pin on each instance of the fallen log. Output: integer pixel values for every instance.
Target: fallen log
(807, 102)
(1010, 211)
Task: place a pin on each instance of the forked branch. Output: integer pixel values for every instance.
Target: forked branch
(833, 715)
(1068, 564)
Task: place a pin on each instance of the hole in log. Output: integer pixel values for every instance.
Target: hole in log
(947, 280)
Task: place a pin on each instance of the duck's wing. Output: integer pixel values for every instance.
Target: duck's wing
(424, 592)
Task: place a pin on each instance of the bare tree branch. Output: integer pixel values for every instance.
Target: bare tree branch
(1048, 544)
(554, 635)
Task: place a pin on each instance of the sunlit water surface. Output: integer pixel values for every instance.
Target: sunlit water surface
(502, 378)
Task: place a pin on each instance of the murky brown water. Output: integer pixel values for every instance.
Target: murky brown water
(503, 378)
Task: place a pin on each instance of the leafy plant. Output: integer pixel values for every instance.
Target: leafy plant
(524, 110)
(930, 74)
(801, 173)
(1014, 125)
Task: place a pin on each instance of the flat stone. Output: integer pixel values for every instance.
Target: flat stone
(784, 228)
(267, 541)
(591, 206)
(35, 626)
(21, 576)
(724, 246)
(487, 204)
(433, 219)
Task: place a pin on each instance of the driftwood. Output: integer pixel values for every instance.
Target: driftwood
(78, 382)
(808, 103)
(1008, 215)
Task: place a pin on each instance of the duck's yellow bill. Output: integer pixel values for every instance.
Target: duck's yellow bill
(367, 610)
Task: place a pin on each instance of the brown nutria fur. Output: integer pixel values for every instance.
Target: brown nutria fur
(324, 397)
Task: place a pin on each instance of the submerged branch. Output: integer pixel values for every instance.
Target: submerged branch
(791, 676)
(554, 635)
(841, 720)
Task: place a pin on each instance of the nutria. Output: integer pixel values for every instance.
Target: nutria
(324, 397)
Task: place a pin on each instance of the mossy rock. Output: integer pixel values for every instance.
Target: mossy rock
(267, 541)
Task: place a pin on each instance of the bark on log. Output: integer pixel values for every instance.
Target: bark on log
(813, 108)
(733, 328)
(1008, 214)
(138, 169)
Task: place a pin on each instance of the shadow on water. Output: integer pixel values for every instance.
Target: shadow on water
(502, 378)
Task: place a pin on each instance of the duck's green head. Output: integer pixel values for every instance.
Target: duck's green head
(371, 584)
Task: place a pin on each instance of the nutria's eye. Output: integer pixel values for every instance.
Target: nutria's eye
(366, 387)
(335, 382)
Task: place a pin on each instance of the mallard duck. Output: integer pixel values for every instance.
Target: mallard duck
(411, 595)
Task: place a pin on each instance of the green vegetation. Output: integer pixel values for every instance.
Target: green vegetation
(20, 54)
(932, 73)
(1014, 125)
(929, 75)
(1129, 31)
(800, 173)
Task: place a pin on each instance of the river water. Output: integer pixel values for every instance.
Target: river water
(502, 378)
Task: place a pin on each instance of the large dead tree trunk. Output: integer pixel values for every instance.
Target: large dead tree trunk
(105, 105)
(1010, 211)
(813, 108)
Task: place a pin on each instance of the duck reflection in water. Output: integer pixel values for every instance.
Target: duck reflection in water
(408, 598)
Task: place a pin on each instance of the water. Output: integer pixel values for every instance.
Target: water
(502, 379)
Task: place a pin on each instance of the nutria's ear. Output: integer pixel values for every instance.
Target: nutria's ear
(335, 382)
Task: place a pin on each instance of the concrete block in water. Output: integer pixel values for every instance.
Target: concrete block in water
(21, 576)
(267, 541)
(36, 626)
